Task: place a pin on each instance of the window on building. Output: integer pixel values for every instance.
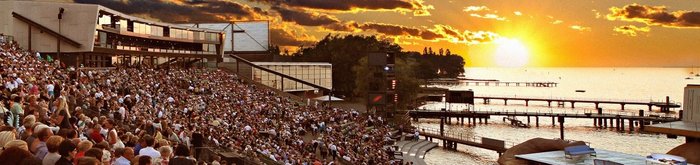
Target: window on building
(123, 25)
(104, 20)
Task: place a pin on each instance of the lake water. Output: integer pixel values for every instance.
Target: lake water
(649, 84)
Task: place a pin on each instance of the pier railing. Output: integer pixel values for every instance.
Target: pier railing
(577, 111)
(506, 112)
(569, 98)
(462, 136)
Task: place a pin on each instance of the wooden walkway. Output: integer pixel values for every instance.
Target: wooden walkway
(560, 101)
(451, 139)
(493, 83)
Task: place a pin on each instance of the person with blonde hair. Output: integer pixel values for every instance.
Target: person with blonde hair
(52, 146)
(17, 143)
(83, 146)
(165, 154)
(7, 136)
(62, 116)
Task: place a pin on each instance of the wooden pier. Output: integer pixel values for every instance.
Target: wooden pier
(493, 83)
(665, 106)
(600, 120)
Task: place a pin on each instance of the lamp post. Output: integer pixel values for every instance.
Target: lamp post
(60, 16)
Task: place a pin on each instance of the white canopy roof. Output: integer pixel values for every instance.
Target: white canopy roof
(325, 98)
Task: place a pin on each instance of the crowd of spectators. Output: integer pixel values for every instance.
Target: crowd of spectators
(57, 115)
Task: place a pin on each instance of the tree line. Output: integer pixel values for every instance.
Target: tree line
(345, 54)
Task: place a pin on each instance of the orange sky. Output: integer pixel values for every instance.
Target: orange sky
(659, 33)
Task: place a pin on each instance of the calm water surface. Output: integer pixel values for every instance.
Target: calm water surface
(648, 84)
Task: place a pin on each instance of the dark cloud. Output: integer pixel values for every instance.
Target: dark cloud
(282, 37)
(655, 15)
(398, 30)
(305, 18)
(190, 11)
(416, 7)
(343, 27)
(343, 5)
(453, 35)
(631, 30)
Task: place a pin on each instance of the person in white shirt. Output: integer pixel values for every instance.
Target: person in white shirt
(149, 150)
(416, 135)
(122, 112)
(9, 85)
(19, 81)
(50, 88)
(334, 150)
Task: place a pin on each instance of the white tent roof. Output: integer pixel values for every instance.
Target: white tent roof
(325, 98)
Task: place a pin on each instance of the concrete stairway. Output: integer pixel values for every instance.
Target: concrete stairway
(414, 151)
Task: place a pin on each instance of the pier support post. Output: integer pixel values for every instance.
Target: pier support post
(650, 107)
(631, 125)
(572, 104)
(486, 121)
(561, 127)
(622, 125)
(549, 103)
(528, 120)
(527, 103)
(600, 122)
(641, 125)
(442, 126)
(537, 121)
(479, 120)
(596, 105)
(605, 123)
(505, 101)
(611, 122)
(553, 121)
(623, 106)
(595, 122)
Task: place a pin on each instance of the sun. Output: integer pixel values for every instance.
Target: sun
(511, 53)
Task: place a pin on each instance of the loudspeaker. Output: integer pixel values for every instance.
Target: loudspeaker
(377, 59)
(466, 97)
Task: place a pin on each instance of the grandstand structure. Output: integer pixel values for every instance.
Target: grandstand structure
(95, 36)
(90, 35)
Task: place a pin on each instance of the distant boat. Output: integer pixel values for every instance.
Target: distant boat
(581, 91)
(688, 78)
